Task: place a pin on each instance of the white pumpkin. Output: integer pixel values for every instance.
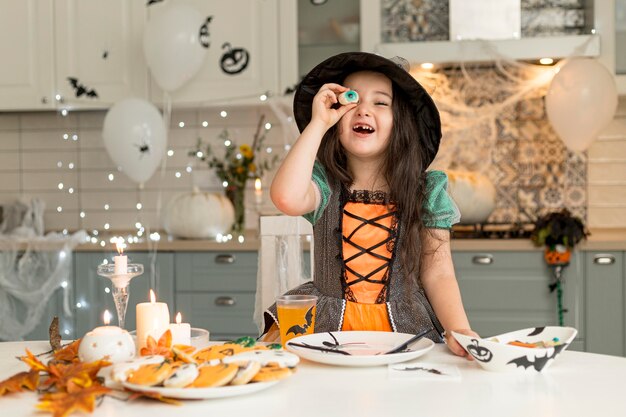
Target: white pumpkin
(198, 215)
(473, 193)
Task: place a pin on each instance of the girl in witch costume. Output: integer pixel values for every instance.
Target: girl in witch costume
(381, 222)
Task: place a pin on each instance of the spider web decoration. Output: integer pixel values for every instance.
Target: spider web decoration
(494, 122)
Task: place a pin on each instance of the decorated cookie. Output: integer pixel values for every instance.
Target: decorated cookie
(215, 375)
(348, 97)
(245, 373)
(150, 375)
(264, 357)
(271, 373)
(120, 371)
(184, 353)
(217, 352)
(183, 375)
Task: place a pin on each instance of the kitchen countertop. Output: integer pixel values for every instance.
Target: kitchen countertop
(599, 240)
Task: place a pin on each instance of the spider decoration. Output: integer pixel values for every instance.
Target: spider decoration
(144, 147)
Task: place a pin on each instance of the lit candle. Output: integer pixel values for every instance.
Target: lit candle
(181, 332)
(258, 191)
(106, 342)
(153, 319)
(121, 261)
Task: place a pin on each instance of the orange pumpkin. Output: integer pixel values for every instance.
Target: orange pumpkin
(554, 257)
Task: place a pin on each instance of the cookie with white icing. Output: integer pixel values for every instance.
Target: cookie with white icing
(183, 375)
(120, 371)
(264, 357)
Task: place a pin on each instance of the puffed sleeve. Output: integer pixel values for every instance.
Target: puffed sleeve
(440, 211)
(320, 181)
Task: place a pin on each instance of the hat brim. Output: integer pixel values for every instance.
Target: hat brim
(336, 68)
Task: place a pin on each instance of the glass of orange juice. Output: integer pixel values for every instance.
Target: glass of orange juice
(296, 315)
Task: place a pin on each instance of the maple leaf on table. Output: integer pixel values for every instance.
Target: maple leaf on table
(32, 361)
(69, 353)
(60, 404)
(18, 382)
(162, 347)
(73, 376)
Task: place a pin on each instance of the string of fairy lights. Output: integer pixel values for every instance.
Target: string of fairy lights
(100, 236)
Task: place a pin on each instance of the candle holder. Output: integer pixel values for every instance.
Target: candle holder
(120, 286)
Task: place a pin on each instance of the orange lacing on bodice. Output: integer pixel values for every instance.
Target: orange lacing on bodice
(368, 232)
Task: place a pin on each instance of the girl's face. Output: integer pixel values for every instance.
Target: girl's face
(365, 130)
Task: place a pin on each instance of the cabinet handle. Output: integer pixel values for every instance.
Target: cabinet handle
(482, 260)
(225, 259)
(44, 100)
(225, 301)
(604, 259)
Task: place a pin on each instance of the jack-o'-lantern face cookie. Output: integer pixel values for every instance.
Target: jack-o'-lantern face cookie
(215, 375)
(271, 373)
(150, 375)
(217, 352)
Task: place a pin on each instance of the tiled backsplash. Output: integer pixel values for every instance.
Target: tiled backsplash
(531, 170)
(62, 160)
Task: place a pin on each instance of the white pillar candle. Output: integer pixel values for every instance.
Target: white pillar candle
(121, 261)
(258, 191)
(153, 319)
(181, 332)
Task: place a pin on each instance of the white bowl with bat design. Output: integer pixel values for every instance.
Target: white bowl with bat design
(526, 350)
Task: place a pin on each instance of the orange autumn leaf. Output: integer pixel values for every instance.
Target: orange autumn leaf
(73, 376)
(162, 347)
(153, 395)
(69, 353)
(32, 361)
(61, 404)
(18, 382)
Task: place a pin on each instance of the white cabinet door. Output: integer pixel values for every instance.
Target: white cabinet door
(26, 48)
(241, 61)
(609, 18)
(99, 51)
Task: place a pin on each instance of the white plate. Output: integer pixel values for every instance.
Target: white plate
(365, 348)
(203, 393)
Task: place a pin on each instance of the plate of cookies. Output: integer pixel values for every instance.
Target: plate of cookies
(216, 371)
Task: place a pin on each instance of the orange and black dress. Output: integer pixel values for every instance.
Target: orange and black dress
(359, 280)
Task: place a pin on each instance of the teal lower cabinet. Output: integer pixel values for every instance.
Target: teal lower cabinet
(605, 314)
(93, 292)
(504, 291)
(216, 291)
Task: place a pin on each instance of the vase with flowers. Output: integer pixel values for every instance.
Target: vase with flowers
(235, 166)
(559, 232)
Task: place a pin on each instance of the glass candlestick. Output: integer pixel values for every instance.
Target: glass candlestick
(120, 286)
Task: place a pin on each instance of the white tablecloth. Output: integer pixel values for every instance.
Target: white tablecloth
(576, 384)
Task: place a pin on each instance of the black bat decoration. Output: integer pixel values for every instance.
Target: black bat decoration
(105, 54)
(204, 33)
(81, 89)
(537, 331)
(539, 362)
(419, 368)
(151, 2)
(297, 329)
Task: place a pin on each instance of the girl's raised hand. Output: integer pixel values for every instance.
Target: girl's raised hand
(323, 102)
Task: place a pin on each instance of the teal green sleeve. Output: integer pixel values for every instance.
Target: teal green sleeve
(321, 182)
(440, 211)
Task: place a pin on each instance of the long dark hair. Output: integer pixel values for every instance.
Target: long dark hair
(403, 169)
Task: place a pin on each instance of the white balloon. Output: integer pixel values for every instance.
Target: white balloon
(171, 45)
(134, 136)
(581, 101)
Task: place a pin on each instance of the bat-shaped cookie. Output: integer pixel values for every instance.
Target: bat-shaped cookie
(297, 329)
(81, 89)
(539, 362)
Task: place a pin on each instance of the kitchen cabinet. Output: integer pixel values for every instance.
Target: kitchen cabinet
(610, 23)
(45, 43)
(504, 291)
(27, 48)
(92, 292)
(241, 61)
(605, 313)
(216, 291)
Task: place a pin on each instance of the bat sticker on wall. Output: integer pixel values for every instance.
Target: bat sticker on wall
(539, 362)
(234, 60)
(297, 329)
(204, 33)
(151, 2)
(81, 89)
